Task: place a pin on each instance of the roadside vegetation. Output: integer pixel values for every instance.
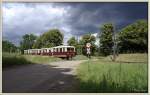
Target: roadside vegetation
(41, 59)
(127, 74)
(83, 57)
(15, 59)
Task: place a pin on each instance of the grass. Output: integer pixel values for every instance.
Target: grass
(8, 61)
(41, 59)
(82, 57)
(128, 74)
(14, 59)
(131, 58)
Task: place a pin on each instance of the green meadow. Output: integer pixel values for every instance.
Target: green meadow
(128, 74)
(14, 59)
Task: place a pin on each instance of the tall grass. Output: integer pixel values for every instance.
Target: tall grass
(131, 58)
(8, 61)
(41, 59)
(14, 59)
(107, 76)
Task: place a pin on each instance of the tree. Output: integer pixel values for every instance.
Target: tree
(49, 39)
(27, 41)
(8, 46)
(38, 43)
(106, 41)
(88, 39)
(134, 37)
(72, 42)
(80, 47)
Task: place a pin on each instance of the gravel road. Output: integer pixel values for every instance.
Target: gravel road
(43, 78)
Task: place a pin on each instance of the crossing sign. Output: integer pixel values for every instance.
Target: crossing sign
(88, 50)
(88, 45)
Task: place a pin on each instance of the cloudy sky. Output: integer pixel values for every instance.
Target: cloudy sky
(73, 19)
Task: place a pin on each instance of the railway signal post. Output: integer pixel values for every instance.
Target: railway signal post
(88, 52)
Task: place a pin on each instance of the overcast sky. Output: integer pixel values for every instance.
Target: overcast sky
(73, 19)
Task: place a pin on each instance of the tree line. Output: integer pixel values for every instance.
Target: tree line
(131, 39)
(7, 46)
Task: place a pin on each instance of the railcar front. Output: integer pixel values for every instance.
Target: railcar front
(64, 51)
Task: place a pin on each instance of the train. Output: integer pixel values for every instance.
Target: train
(58, 51)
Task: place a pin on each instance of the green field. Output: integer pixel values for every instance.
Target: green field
(13, 59)
(128, 74)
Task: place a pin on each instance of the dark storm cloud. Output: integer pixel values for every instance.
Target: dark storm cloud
(73, 19)
(88, 17)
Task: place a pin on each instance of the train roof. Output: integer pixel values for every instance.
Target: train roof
(55, 47)
(63, 46)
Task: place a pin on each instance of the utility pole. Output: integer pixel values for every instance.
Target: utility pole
(114, 44)
(29, 42)
(79, 45)
(99, 42)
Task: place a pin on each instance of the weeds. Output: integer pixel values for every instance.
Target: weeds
(12, 59)
(105, 76)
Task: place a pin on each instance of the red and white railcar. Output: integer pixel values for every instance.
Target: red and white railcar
(64, 51)
(59, 51)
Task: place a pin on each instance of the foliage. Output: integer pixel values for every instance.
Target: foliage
(106, 41)
(38, 44)
(27, 42)
(8, 46)
(87, 38)
(72, 42)
(134, 37)
(106, 76)
(14, 59)
(80, 47)
(49, 39)
(41, 59)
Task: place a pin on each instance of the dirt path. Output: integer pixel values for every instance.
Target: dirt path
(44, 78)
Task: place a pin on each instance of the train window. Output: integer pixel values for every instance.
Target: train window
(68, 49)
(72, 49)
